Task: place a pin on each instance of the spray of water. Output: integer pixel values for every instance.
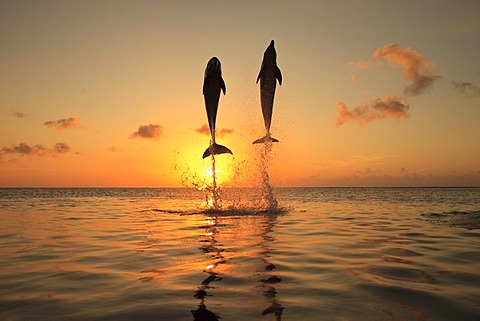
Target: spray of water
(210, 189)
(219, 199)
(268, 202)
(212, 193)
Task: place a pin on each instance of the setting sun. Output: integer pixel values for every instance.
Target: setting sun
(209, 171)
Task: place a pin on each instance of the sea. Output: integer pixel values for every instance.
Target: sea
(308, 254)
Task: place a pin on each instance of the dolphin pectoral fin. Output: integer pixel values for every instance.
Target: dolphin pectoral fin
(216, 149)
(265, 139)
(259, 75)
(278, 75)
(222, 86)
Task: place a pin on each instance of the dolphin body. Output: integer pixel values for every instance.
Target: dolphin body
(269, 73)
(212, 84)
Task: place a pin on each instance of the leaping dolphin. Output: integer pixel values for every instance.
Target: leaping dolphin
(212, 84)
(269, 73)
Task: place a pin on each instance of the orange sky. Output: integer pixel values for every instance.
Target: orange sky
(110, 93)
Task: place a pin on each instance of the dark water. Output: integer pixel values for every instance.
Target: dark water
(156, 254)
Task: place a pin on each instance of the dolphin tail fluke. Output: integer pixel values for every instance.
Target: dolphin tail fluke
(266, 139)
(216, 149)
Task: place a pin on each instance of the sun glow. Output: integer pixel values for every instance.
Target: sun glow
(209, 267)
(209, 171)
(200, 173)
(222, 172)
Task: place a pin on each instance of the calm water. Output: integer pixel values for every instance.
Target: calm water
(155, 254)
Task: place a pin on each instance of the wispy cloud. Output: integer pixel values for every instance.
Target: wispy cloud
(467, 88)
(35, 150)
(60, 124)
(61, 148)
(417, 69)
(380, 108)
(16, 113)
(205, 130)
(114, 149)
(372, 176)
(25, 149)
(152, 131)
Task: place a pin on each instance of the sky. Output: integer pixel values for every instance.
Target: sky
(109, 93)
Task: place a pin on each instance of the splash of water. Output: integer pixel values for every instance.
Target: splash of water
(212, 193)
(220, 201)
(211, 190)
(268, 202)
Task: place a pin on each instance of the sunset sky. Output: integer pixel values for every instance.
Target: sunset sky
(109, 93)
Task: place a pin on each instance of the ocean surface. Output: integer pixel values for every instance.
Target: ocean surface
(162, 254)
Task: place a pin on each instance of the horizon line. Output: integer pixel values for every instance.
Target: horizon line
(228, 187)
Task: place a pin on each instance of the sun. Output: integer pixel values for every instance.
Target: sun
(222, 170)
(209, 171)
(199, 172)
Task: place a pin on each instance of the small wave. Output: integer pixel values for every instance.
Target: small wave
(228, 211)
(468, 219)
(167, 211)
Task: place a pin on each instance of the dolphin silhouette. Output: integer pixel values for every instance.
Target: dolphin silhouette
(212, 84)
(268, 75)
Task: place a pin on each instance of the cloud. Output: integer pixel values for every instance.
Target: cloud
(25, 149)
(467, 88)
(62, 123)
(61, 148)
(151, 131)
(114, 149)
(35, 150)
(224, 131)
(417, 69)
(205, 130)
(360, 65)
(380, 108)
(405, 177)
(16, 113)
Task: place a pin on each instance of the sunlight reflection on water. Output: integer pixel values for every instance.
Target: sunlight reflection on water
(157, 254)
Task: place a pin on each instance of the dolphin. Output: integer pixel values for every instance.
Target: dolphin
(269, 73)
(212, 84)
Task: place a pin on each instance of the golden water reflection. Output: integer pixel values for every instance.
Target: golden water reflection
(213, 251)
(223, 241)
(268, 284)
(126, 258)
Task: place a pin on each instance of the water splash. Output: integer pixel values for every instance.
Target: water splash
(268, 201)
(211, 190)
(212, 193)
(222, 197)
